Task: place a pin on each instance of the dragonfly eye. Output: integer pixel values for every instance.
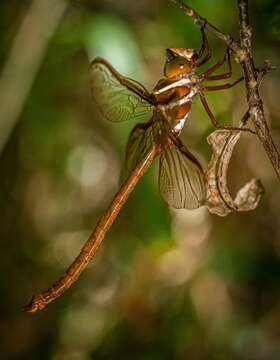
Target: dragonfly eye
(176, 67)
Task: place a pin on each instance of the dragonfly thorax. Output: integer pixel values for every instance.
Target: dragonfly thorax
(175, 102)
(174, 94)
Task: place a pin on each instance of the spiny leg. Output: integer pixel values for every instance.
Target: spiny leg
(215, 121)
(204, 42)
(205, 45)
(220, 87)
(206, 76)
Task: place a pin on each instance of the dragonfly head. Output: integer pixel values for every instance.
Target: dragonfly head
(180, 62)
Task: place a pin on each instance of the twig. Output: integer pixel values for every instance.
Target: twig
(245, 29)
(253, 95)
(243, 54)
(202, 22)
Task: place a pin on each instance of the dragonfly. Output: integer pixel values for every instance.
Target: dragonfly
(182, 182)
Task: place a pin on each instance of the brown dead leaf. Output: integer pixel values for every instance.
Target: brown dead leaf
(219, 200)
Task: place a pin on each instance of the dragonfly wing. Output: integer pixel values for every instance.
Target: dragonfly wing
(141, 139)
(117, 97)
(181, 179)
(139, 142)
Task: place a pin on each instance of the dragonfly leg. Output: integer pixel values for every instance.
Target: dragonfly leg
(226, 75)
(215, 121)
(204, 46)
(204, 42)
(222, 86)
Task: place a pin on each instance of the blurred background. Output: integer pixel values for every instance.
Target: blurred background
(166, 284)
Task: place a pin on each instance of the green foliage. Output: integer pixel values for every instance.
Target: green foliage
(166, 284)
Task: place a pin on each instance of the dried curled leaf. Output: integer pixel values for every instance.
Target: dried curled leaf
(219, 200)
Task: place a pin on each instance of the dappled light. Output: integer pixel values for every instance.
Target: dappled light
(166, 283)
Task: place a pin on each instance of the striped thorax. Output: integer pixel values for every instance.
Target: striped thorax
(174, 94)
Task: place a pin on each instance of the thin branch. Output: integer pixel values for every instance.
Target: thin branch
(263, 70)
(243, 55)
(245, 29)
(202, 22)
(253, 96)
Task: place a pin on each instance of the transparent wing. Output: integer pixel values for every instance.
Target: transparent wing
(139, 142)
(141, 138)
(181, 179)
(118, 98)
